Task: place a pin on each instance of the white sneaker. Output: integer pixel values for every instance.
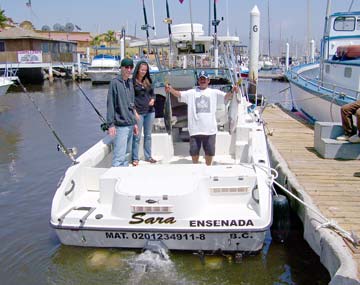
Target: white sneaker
(354, 139)
(343, 138)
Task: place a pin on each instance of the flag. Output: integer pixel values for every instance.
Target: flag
(181, 1)
(28, 3)
(78, 27)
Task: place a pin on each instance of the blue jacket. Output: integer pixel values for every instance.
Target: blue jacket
(120, 103)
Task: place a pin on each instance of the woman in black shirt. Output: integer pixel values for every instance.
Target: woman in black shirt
(144, 105)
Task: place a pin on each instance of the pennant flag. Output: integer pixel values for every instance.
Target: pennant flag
(181, 1)
(28, 3)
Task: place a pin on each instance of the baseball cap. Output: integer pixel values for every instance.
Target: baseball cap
(204, 74)
(127, 62)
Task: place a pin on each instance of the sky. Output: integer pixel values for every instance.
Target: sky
(288, 19)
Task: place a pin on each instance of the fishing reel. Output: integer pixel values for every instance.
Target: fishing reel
(104, 127)
(70, 151)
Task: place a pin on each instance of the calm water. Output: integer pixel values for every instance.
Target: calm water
(30, 168)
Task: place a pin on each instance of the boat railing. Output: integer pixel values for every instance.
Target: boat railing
(330, 89)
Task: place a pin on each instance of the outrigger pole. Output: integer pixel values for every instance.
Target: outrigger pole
(70, 152)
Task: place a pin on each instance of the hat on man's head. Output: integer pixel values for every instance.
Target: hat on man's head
(204, 74)
(127, 62)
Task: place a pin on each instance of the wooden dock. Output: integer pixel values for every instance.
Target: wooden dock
(332, 184)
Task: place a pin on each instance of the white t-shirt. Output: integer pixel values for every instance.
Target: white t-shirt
(201, 110)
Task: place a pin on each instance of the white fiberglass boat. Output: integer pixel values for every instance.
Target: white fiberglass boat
(103, 68)
(319, 89)
(4, 85)
(180, 205)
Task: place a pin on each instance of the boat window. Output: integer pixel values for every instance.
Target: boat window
(347, 72)
(344, 24)
(358, 24)
(2, 46)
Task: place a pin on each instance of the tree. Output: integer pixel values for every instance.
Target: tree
(3, 19)
(95, 42)
(110, 38)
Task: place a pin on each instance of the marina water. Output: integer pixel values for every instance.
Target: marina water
(30, 168)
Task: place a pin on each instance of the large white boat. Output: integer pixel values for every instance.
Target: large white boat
(103, 68)
(5, 83)
(319, 89)
(174, 204)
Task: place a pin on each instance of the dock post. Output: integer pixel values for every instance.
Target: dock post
(88, 55)
(254, 51)
(79, 67)
(287, 57)
(51, 75)
(73, 75)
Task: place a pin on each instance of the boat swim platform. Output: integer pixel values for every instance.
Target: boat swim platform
(331, 186)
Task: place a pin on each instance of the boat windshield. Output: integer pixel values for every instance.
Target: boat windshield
(187, 78)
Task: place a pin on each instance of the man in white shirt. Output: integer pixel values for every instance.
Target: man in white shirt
(202, 126)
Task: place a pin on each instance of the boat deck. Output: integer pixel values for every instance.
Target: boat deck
(333, 185)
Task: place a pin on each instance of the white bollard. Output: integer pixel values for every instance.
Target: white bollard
(312, 51)
(88, 55)
(254, 49)
(122, 48)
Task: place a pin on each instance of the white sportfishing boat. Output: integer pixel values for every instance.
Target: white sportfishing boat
(5, 83)
(174, 204)
(103, 68)
(319, 89)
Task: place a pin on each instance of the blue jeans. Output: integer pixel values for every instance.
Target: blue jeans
(146, 120)
(122, 145)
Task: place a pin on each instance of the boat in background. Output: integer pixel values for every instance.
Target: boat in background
(5, 83)
(175, 205)
(103, 68)
(319, 89)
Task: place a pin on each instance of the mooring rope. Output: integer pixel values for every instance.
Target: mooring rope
(330, 224)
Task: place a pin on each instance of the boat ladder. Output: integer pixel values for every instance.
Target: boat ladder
(82, 220)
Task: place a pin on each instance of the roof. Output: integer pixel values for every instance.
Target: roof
(20, 33)
(64, 36)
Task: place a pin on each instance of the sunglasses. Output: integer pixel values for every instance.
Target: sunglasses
(128, 67)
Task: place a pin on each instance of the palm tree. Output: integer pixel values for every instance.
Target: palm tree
(3, 19)
(110, 38)
(95, 42)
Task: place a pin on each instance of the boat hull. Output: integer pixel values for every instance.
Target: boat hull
(204, 241)
(102, 76)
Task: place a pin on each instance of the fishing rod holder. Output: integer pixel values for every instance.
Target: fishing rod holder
(168, 21)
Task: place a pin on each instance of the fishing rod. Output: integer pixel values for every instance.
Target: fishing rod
(70, 152)
(168, 20)
(104, 126)
(146, 26)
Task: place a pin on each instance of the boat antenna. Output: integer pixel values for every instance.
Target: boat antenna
(168, 20)
(192, 27)
(69, 152)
